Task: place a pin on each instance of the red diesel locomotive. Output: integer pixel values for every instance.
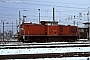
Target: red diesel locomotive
(47, 31)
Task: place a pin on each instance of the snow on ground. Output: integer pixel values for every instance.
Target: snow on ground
(46, 50)
(9, 40)
(82, 39)
(20, 43)
(43, 50)
(44, 45)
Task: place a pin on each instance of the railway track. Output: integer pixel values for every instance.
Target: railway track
(45, 55)
(48, 43)
(44, 47)
(52, 45)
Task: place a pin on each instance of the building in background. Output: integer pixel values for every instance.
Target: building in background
(84, 31)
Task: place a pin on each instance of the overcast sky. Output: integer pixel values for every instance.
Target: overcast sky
(64, 10)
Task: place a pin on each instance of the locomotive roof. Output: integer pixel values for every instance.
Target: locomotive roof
(87, 23)
(49, 21)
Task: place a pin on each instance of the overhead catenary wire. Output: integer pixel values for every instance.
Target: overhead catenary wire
(81, 12)
(18, 2)
(75, 14)
(59, 2)
(43, 11)
(50, 5)
(47, 5)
